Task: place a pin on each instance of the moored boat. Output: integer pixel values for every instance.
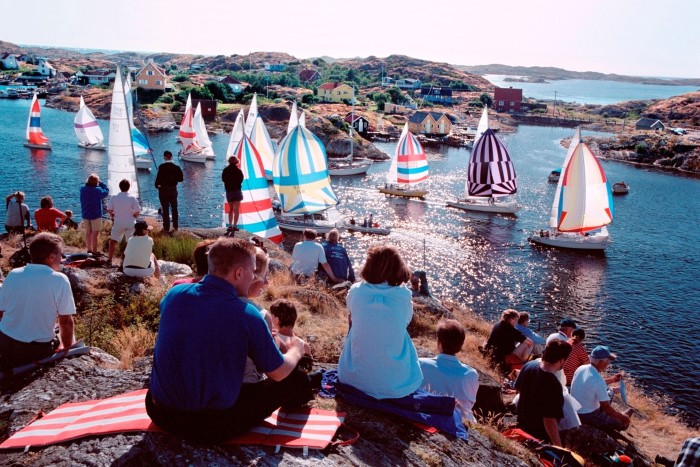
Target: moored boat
(554, 175)
(355, 227)
(35, 137)
(620, 188)
(87, 130)
(191, 150)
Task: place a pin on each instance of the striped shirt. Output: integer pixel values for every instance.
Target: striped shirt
(577, 357)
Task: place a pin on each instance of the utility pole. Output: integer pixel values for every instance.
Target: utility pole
(554, 109)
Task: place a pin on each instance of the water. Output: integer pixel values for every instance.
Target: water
(641, 297)
(583, 91)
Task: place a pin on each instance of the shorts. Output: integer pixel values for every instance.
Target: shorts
(132, 271)
(92, 225)
(235, 195)
(121, 230)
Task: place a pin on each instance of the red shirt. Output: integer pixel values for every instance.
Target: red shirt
(46, 219)
(577, 357)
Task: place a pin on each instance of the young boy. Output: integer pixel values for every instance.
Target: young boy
(445, 374)
(284, 316)
(69, 223)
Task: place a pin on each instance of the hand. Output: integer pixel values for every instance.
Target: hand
(295, 343)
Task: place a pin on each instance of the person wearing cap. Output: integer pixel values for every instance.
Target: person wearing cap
(566, 329)
(590, 389)
(123, 208)
(139, 260)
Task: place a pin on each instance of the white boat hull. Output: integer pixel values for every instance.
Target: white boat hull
(572, 241)
(620, 189)
(299, 224)
(403, 192)
(37, 146)
(143, 164)
(368, 230)
(208, 153)
(95, 147)
(193, 157)
(480, 205)
(350, 169)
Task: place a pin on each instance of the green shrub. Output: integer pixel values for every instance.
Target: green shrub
(177, 248)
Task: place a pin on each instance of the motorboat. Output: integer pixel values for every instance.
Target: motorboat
(620, 188)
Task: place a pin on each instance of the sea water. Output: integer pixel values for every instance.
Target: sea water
(640, 298)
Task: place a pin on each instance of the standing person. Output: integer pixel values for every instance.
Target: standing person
(232, 177)
(509, 347)
(337, 257)
(307, 255)
(378, 357)
(91, 196)
(541, 403)
(139, 260)
(578, 355)
(123, 208)
(566, 330)
(17, 213)
(419, 284)
(205, 334)
(47, 215)
(32, 298)
(169, 175)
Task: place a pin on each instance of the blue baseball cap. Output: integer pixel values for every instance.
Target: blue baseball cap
(601, 352)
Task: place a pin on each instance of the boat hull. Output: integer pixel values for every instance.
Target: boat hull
(619, 189)
(349, 170)
(404, 193)
(368, 230)
(298, 224)
(573, 242)
(143, 164)
(199, 158)
(95, 147)
(37, 146)
(483, 206)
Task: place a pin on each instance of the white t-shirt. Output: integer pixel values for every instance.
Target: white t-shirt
(306, 257)
(446, 375)
(31, 298)
(557, 336)
(123, 204)
(589, 389)
(138, 251)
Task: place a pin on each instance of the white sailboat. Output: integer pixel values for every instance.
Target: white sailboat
(202, 135)
(120, 152)
(187, 136)
(347, 165)
(256, 130)
(87, 129)
(409, 166)
(237, 133)
(490, 175)
(294, 118)
(582, 206)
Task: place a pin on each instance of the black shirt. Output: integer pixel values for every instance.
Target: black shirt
(541, 396)
(232, 177)
(169, 175)
(502, 340)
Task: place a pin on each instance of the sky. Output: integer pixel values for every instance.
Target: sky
(629, 37)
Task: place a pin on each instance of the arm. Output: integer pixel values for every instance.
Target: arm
(609, 410)
(613, 379)
(27, 217)
(551, 426)
(65, 330)
(329, 271)
(294, 353)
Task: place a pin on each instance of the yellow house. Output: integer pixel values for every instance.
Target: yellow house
(335, 92)
(429, 123)
(151, 76)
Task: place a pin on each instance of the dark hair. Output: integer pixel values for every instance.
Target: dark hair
(46, 202)
(450, 335)
(310, 234)
(556, 350)
(233, 160)
(509, 314)
(167, 155)
(227, 253)
(384, 264)
(92, 180)
(284, 311)
(43, 245)
(199, 255)
(124, 185)
(524, 317)
(580, 333)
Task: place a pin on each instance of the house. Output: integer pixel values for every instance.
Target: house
(429, 123)
(436, 95)
(96, 77)
(408, 83)
(391, 108)
(26, 58)
(8, 62)
(646, 123)
(309, 76)
(208, 107)
(151, 76)
(335, 92)
(386, 81)
(46, 69)
(234, 85)
(359, 123)
(507, 99)
(275, 66)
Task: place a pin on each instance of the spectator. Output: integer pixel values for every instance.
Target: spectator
(445, 374)
(199, 255)
(233, 180)
(337, 258)
(17, 213)
(509, 347)
(31, 299)
(566, 329)
(139, 260)
(307, 255)
(690, 453)
(68, 222)
(378, 357)
(91, 196)
(169, 175)
(205, 334)
(523, 325)
(123, 208)
(47, 215)
(578, 355)
(419, 284)
(284, 317)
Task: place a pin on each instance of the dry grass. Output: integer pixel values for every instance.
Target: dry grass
(131, 343)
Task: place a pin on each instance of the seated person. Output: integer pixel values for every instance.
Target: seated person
(523, 325)
(566, 329)
(590, 389)
(337, 258)
(47, 216)
(199, 256)
(68, 222)
(17, 213)
(139, 260)
(578, 355)
(307, 255)
(445, 374)
(32, 298)
(509, 347)
(419, 284)
(284, 317)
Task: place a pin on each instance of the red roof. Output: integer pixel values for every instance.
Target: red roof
(307, 75)
(508, 94)
(330, 86)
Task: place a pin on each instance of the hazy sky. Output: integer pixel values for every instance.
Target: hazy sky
(634, 37)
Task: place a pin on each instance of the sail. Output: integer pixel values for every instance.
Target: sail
(585, 198)
(300, 174)
(200, 128)
(34, 133)
(409, 164)
(554, 213)
(293, 118)
(188, 109)
(86, 128)
(256, 215)
(302, 119)
(236, 134)
(141, 146)
(252, 115)
(261, 139)
(129, 97)
(483, 124)
(120, 153)
(490, 172)
(187, 134)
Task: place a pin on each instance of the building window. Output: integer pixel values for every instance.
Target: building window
(501, 103)
(143, 81)
(512, 104)
(159, 82)
(149, 73)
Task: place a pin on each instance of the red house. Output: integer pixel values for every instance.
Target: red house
(507, 99)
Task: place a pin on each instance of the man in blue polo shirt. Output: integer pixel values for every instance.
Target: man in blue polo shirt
(205, 334)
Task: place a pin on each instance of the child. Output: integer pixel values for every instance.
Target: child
(284, 316)
(445, 374)
(68, 222)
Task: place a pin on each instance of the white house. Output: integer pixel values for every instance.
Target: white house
(408, 83)
(46, 69)
(8, 62)
(97, 77)
(234, 85)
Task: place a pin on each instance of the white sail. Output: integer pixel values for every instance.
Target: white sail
(391, 176)
(200, 128)
(121, 151)
(483, 124)
(293, 118)
(554, 214)
(236, 134)
(302, 119)
(252, 115)
(86, 128)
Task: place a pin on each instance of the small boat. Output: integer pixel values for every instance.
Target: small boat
(620, 188)
(12, 94)
(409, 166)
(355, 227)
(202, 135)
(554, 175)
(352, 167)
(87, 130)
(35, 137)
(256, 130)
(191, 150)
(490, 175)
(582, 206)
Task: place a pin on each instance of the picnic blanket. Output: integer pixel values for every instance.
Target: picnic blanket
(304, 427)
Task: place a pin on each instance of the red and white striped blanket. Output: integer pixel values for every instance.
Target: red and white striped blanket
(304, 428)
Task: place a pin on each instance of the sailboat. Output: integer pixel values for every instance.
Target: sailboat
(120, 152)
(202, 135)
(490, 175)
(143, 154)
(256, 130)
(582, 206)
(347, 165)
(35, 137)
(294, 118)
(301, 180)
(256, 214)
(409, 166)
(191, 151)
(237, 133)
(87, 130)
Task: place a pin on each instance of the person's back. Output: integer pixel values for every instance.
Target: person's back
(337, 257)
(124, 205)
(577, 357)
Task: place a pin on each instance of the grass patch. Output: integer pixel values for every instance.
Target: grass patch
(177, 248)
(132, 342)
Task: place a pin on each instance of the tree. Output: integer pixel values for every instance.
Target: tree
(220, 91)
(396, 96)
(486, 99)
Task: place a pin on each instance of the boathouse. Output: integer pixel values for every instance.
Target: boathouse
(359, 123)
(649, 124)
(507, 99)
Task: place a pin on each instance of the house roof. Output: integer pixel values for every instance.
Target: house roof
(99, 73)
(5, 56)
(647, 122)
(508, 94)
(151, 62)
(418, 117)
(348, 118)
(308, 75)
(329, 85)
(229, 80)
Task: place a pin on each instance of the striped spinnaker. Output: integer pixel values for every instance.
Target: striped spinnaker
(409, 164)
(34, 133)
(490, 172)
